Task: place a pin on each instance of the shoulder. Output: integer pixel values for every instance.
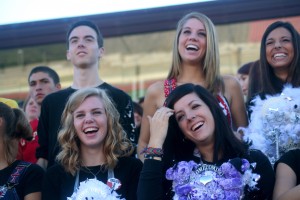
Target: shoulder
(155, 96)
(54, 169)
(230, 81)
(258, 156)
(155, 90)
(113, 91)
(56, 173)
(292, 153)
(36, 170)
(233, 90)
(30, 167)
(66, 91)
(58, 96)
(32, 172)
(156, 87)
(291, 158)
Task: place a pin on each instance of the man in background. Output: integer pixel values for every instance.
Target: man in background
(42, 80)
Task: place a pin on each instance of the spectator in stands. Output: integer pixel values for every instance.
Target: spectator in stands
(27, 149)
(279, 60)
(42, 81)
(195, 60)
(192, 128)
(94, 151)
(243, 77)
(84, 49)
(18, 179)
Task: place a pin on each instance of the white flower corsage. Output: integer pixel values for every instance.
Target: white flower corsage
(275, 123)
(94, 189)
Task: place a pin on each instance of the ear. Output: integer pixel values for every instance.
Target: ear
(68, 55)
(101, 52)
(58, 86)
(1, 121)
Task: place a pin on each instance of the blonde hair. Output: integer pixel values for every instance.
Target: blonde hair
(116, 143)
(211, 63)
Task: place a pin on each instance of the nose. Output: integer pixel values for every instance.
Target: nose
(38, 86)
(191, 116)
(193, 36)
(277, 44)
(88, 119)
(80, 43)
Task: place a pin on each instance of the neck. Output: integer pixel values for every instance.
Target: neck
(86, 77)
(191, 74)
(92, 157)
(282, 74)
(206, 152)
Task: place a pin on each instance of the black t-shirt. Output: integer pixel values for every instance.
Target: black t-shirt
(30, 181)
(59, 184)
(292, 159)
(52, 109)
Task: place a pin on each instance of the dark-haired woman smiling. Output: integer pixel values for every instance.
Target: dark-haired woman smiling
(192, 134)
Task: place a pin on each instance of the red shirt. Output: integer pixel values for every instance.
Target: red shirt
(27, 149)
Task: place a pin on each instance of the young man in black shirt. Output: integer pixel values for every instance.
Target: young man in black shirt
(84, 50)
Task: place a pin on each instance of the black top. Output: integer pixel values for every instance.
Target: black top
(52, 109)
(59, 184)
(30, 181)
(292, 159)
(152, 183)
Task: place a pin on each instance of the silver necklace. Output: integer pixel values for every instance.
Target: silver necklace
(95, 175)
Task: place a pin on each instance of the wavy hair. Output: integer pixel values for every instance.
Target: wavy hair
(116, 143)
(14, 127)
(211, 61)
(270, 83)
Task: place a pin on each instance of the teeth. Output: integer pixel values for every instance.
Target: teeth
(92, 129)
(277, 55)
(192, 47)
(197, 126)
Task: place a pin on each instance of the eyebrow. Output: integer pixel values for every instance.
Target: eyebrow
(188, 105)
(42, 79)
(73, 37)
(285, 36)
(93, 109)
(86, 36)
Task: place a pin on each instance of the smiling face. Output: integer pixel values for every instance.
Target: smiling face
(83, 47)
(90, 122)
(279, 49)
(195, 119)
(192, 41)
